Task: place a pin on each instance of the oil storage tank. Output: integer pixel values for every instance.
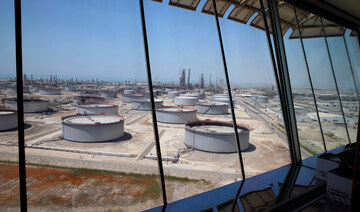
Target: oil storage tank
(34, 88)
(173, 94)
(212, 108)
(185, 100)
(223, 99)
(92, 128)
(13, 89)
(49, 91)
(88, 99)
(145, 104)
(128, 98)
(175, 114)
(97, 108)
(8, 119)
(129, 91)
(70, 88)
(30, 105)
(262, 99)
(215, 136)
(109, 94)
(276, 98)
(197, 95)
(89, 92)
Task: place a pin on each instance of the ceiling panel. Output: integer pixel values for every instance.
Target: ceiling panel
(186, 4)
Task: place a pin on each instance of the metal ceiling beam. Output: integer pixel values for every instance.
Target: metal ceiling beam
(333, 14)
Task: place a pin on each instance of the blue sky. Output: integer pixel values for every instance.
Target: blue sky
(103, 39)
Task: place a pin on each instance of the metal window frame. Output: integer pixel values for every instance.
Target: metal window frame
(285, 85)
(20, 106)
(153, 112)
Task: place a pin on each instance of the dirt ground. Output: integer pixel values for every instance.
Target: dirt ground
(59, 189)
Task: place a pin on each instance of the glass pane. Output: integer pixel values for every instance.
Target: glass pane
(353, 46)
(87, 149)
(255, 94)
(321, 73)
(9, 169)
(309, 131)
(345, 81)
(331, 118)
(197, 136)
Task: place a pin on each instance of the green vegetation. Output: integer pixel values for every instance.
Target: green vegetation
(282, 126)
(182, 179)
(330, 134)
(76, 172)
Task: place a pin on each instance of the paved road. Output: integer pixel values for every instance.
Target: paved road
(259, 115)
(121, 167)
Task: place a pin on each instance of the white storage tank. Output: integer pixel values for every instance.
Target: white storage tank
(215, 136)
(49, 91)
(70, 88)
(145, 104)
(173, 94)
(262, 99)
(97, 108)
(175, 114)
(34, 88)
(223, 100)
(212, 108)
(88, 99)
(13, 89)
(89, 92)
(128, 98)
(129, 91)
(147, 95)
(30, 105)
(92, 128)
(109, 94)
(8, 119)
(276, 98)
(185, 100)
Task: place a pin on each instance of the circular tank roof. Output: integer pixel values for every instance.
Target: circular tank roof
(92, 119)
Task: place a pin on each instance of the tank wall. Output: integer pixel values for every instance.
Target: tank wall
(145, 105)
(70, 89)
(11, 89)
(129, 91)
(185, 101)
(175, 117)
(31, 107)
(50, 91)
(220, 143)
(212, 110)
(98, 110)
(129, 99)
(223, 100)
(173, 94)
(8, 121)
(87, 100)
(109, 94)
(97, 133)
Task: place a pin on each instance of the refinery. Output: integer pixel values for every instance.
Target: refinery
(76, 119)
